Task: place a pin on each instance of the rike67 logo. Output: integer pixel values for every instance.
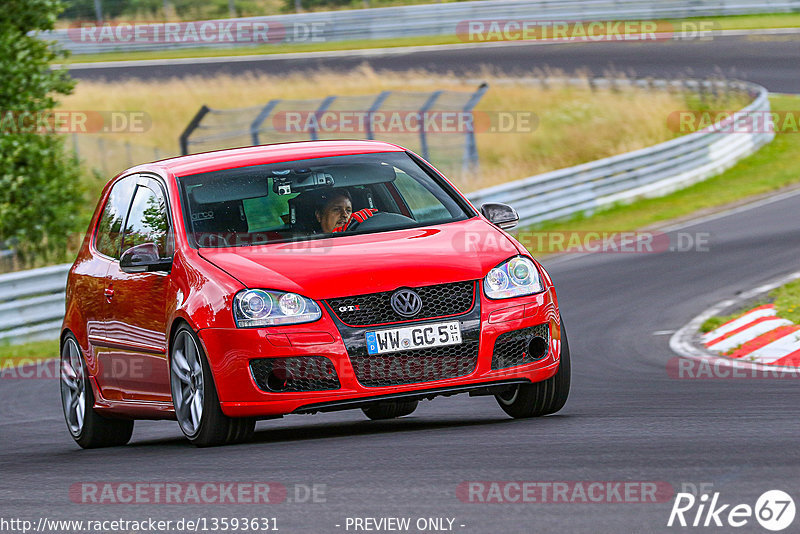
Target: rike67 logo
(774, 510)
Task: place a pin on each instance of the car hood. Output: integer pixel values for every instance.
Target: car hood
(369, 263)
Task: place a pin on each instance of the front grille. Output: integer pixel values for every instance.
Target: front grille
(293, 374)
(376, 308)
(412, 366)
(511, 348)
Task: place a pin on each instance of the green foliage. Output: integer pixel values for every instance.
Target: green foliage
(288, 5)
(712, 323)
(787, 305)
(191, 9)
(787, 301)
(83, 10)
(12, 355)
(39, 192)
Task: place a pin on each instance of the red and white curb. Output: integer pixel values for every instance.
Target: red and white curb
(757, 336)
(758, 339)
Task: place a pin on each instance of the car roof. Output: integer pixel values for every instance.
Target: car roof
(263, 154)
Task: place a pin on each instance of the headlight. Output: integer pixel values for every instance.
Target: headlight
(260, 307)
(513, 278)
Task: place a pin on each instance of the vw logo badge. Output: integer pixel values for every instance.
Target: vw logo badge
(406, 302)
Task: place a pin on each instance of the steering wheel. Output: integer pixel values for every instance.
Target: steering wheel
(382, 219)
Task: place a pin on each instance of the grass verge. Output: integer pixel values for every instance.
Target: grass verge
(712, 323)
(787, 301)
(12, 355)
(773, 167)
(785, 298)
(737, 22)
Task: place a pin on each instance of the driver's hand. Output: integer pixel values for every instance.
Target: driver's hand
(358, 216)
(361, 215)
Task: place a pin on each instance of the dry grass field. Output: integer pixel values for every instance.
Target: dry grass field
(576, 123)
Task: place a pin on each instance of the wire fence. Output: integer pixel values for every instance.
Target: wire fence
(108, 156)
(439, 125)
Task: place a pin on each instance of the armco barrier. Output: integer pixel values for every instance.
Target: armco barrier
(436, 19)
(32, 302)
(650, 171)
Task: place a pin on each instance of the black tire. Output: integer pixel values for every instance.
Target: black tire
(542, 398)
(214, 428)
(92, 430)
(390, 410)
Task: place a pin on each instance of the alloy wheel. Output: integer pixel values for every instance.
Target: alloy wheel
(186, 380)
(73, 387)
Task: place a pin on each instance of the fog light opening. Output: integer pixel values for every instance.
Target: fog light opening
(537, 348)
(279, 379)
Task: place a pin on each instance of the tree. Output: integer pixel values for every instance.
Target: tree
(40, 193)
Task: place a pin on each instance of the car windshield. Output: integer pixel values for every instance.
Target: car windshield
(313, 198)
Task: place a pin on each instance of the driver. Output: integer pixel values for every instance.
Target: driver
(334, 212)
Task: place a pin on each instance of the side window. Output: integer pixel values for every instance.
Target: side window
(147, 221)
(423, 204)
(109, 229)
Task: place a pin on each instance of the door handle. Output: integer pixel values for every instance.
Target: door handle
(109, 293)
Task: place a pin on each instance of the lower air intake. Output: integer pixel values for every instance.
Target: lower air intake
(519, 347)
(293, 374)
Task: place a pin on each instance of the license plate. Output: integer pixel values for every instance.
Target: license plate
(413, 337)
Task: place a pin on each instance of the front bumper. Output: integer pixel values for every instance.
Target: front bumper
(230, 351)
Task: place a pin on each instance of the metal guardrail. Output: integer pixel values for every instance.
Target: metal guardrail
(32, 302)
(417, 21)
(651, 171)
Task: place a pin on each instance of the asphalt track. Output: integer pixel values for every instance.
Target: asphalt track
(771, 60)
(627, 419)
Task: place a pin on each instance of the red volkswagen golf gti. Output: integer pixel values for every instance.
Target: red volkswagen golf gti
(227, 287)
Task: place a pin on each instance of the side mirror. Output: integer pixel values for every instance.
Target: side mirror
(501, 215)
(144, 258)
